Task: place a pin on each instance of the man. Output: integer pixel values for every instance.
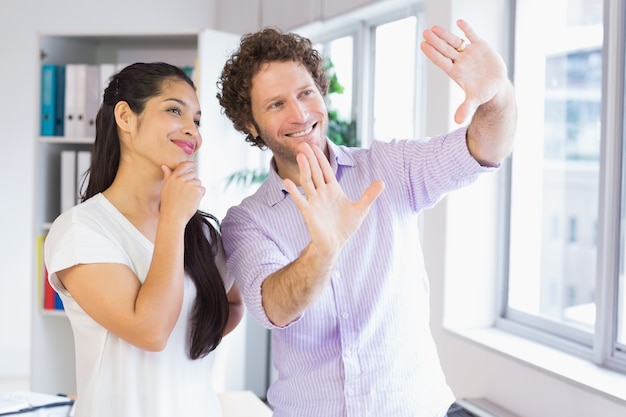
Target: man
(327, 250)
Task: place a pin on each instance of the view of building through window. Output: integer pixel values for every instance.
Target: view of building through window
(556, 163)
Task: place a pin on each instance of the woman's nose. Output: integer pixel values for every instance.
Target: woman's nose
(191, 128)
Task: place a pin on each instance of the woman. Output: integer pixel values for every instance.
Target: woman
(140, 270)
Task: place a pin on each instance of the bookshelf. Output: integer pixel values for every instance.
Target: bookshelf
(52, 364)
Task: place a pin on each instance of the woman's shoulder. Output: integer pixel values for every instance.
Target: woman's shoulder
(94, 206)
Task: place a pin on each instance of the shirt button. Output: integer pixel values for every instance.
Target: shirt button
(350, 392)
(345, 315)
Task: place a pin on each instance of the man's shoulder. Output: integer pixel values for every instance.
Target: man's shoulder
(249, 203)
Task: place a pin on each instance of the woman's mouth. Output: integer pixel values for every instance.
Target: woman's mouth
(186, 146)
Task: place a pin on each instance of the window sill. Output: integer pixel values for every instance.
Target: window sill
(569, 368)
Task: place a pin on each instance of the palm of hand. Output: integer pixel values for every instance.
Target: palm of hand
(480, 72)
(330, 216)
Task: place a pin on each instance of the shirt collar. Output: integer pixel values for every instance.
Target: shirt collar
(275, 190)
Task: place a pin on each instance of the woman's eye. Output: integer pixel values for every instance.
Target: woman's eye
(197, 122)
(175, 110)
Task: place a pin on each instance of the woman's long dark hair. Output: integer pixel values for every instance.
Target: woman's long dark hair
(135, 85)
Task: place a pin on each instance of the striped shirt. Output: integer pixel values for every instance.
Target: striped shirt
(364, 347)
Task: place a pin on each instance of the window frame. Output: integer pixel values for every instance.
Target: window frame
(601, 347)
(362, 26)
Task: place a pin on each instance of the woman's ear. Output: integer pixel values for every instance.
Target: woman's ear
(123, 116)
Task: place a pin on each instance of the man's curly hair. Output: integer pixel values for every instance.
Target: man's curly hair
(255, 50)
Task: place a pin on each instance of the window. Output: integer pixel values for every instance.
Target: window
(341, 53)
(565, 274)
(383, 95)
(394, 79)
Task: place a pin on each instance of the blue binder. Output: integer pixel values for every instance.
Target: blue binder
(48, 99)
(52, 100)
(60, 102)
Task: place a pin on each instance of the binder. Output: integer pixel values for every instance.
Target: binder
(71, 79)
(60, 101)
(48, 99)
(83, 162)
(80, 92)
(58, 303)
(49, 300)
(92, 99)
(106, 72)
(45, 291)
(68, 179)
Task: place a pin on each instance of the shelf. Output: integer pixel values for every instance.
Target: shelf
(66, 140)
(52, 313)
(53, 362)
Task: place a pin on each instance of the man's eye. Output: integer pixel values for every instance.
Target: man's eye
(276, 105)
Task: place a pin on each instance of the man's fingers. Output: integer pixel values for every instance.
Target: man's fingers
(370, 195)
(294, 192)
(437, 57)
(325, 169)
(306, 177)
(468, 31)
(464, 110)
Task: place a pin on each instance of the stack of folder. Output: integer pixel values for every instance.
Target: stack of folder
(71, 95)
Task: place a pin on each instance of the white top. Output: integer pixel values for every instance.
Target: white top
(115, 378)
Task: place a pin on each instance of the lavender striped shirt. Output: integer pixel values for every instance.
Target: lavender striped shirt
(364, 348)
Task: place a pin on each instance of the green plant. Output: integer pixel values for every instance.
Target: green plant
(247, 177)
(340, 132)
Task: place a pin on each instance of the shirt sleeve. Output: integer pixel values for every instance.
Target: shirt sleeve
(429, 168)
(220, 261)
(71, 242)
(252, 255)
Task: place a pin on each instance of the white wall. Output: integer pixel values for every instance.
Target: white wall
(472, 369)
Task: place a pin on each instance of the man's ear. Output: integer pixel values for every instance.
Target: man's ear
(123, 116)
(252, 130)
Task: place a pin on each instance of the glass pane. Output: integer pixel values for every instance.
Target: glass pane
(340, 52)
(555, 168)
(341, 124)
(621, 304)
(394, 79)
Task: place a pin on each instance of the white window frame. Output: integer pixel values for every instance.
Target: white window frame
(361, 25)
(601, 347)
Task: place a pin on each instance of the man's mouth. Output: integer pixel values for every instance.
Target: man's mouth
(302, 133)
